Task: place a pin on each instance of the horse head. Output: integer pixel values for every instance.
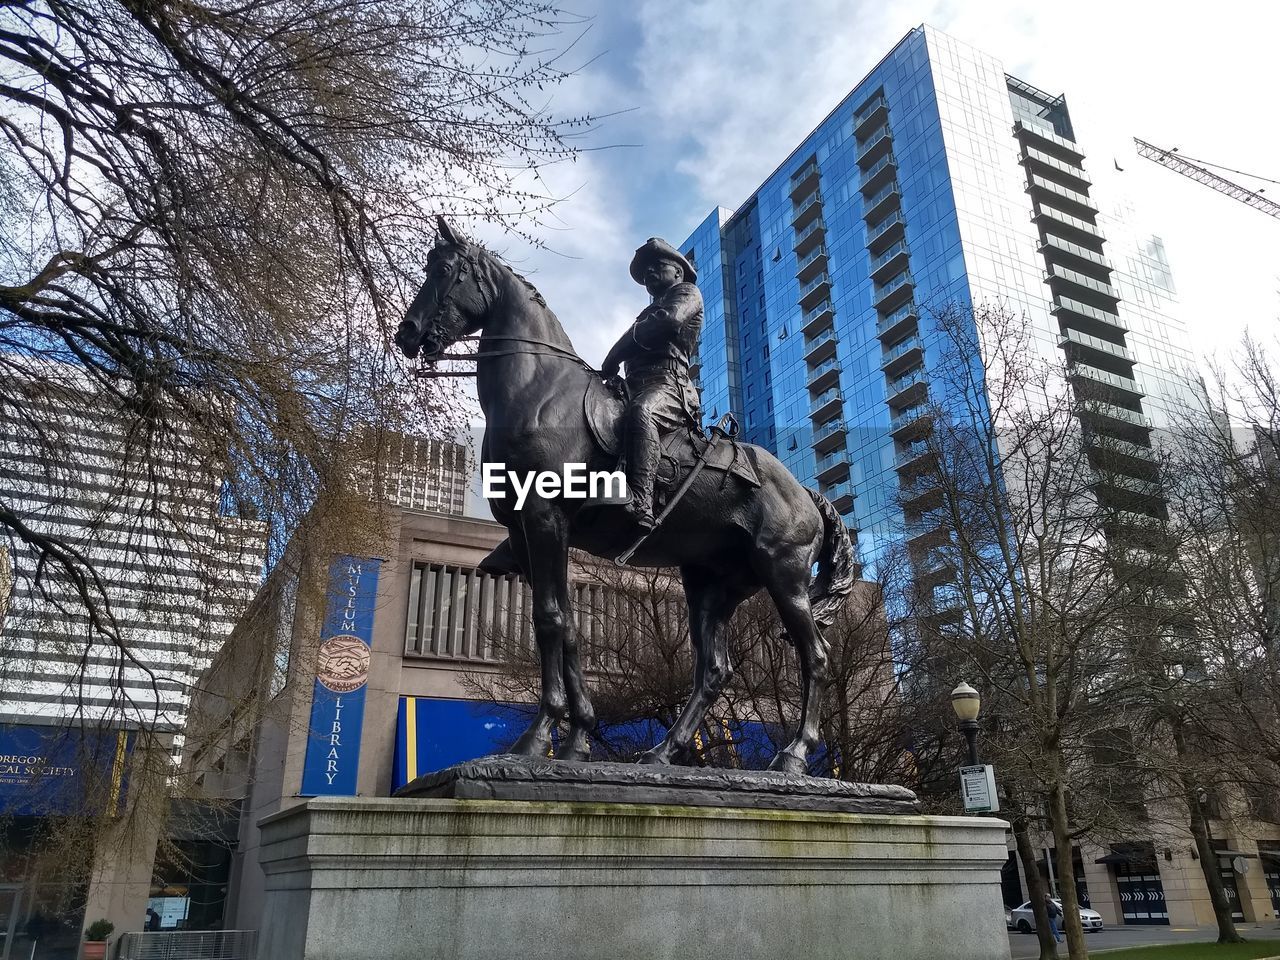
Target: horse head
(452, 302)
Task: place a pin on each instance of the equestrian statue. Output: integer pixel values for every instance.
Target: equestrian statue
(729, 515)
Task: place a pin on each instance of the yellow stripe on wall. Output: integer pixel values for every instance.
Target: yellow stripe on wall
(410, 739)
(117, 771)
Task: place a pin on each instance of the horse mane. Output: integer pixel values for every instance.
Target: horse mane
(534, 294)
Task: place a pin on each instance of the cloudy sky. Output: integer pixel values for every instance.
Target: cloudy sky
(708, 96)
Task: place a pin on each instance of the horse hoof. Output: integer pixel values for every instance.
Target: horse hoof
(789, 764)
(656, 755)
(531, 745)
(575, 749)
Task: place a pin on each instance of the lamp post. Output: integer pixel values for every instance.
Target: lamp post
(967, 704)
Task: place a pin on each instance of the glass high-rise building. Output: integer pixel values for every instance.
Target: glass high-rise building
(939, 179)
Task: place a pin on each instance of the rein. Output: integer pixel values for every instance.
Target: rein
(555, 351)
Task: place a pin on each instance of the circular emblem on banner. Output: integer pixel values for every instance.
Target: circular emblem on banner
(344, 664)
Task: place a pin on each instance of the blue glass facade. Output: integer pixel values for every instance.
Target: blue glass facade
(918, 190)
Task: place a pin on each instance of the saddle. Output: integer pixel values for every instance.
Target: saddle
(602, 408)
(680, 448)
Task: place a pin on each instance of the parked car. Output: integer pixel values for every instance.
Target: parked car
(1024, 921)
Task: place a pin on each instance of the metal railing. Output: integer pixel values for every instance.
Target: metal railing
(878, 230)
(809, 231)
(874, 170)
(893, 251)
(189, 945)
(814, 284)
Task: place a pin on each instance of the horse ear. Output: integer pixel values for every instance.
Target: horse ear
(446, 231)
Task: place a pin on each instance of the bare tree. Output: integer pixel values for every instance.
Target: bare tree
(1021, 587)
(210, 217)
(213, 213)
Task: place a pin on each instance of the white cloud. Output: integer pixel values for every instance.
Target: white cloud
(722, 92)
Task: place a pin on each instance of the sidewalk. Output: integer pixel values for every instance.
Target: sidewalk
(1025, 946)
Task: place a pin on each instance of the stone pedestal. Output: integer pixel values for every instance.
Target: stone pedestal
(403, 879)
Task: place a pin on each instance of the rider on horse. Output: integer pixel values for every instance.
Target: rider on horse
(656, 351)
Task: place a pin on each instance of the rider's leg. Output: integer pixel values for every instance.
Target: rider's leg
(653, 407)
(642, 456)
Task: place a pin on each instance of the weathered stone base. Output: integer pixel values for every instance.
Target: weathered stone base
(403, 879)
(509, 777)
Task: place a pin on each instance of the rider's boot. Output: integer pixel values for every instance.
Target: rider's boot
(640, 508)
(642, 469)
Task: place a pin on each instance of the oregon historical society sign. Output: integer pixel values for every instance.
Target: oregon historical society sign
(342, 670)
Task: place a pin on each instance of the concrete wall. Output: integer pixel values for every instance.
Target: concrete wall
(474, 880)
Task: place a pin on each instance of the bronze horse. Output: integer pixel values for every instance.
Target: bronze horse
(729, 539)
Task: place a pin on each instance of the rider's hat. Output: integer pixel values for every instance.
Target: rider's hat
(657, 249)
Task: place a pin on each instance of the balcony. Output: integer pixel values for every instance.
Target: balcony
(807, 209)
(942, 614)
(884, 232)
(878, 143)
(1133, 527)
(1122, 488)
(826, 405)
(1082, 316)
(806, 238)
(911, 423)
(902, 355)
(875, 109)
(913, 458)
(841, 495)
(920, 495)
(882, 203)
(894, 292)
(1065, 223)
(1115, 414)
(824, 375)
(820, 346)
(1034, 159)
(1061, 250)
(1055, 193)
(1080, 285)
(894, 326)
(832, 466)
(805, 177)
(907, 389)
(1079, 370)
(1113, 450)
(1049, 142)
(1082, 344)
(878, 174)
(815, 290)
(695, 366)
(829, 435)
(890, 262)
(934, 568)
(813, 261)
(816, 317)
(925, 534)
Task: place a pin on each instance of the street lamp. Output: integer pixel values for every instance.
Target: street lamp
(967, 704)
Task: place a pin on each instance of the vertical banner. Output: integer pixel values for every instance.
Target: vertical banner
(342, 670)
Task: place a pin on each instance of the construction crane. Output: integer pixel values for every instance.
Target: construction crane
(1194, 170)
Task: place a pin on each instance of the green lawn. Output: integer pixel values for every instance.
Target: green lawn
(1196, 951)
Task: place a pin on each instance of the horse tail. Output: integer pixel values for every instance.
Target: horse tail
(836, 564)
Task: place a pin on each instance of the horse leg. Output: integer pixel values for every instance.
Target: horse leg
(546, 544)
(711, 604)
(790, 595)
(582, 716)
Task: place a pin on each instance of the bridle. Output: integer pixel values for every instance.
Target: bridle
(469, 262)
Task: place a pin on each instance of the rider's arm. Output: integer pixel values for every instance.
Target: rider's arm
(662, 322)
(620, 353)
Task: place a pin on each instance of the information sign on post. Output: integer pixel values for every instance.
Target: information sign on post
(978, 789)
